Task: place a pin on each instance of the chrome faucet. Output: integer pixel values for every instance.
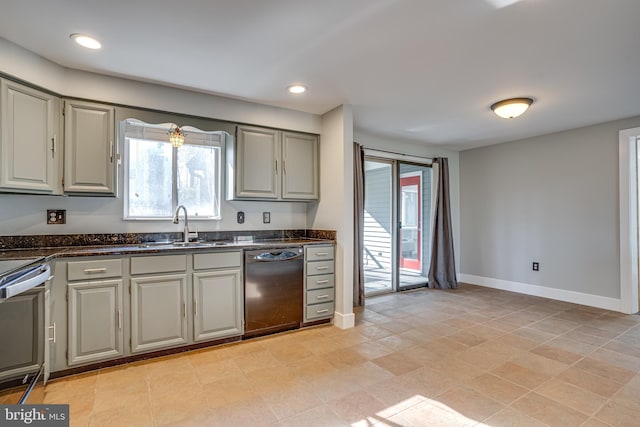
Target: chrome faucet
(185, 238)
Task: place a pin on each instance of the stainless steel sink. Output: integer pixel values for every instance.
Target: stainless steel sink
(193, 244)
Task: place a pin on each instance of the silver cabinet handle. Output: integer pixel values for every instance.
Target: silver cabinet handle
(53, 338)
(322, 267)
(284, 168)
(119, 319)
(322, 282)
(324, 310)
(276, 167)
(53, 146)
(322, 253)
(322, 296)
(95, 270)
(184, 310)
(195, 308)
(111, 151)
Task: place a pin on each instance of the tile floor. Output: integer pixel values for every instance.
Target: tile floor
(465, 357)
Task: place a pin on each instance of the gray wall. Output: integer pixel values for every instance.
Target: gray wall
(551, 199)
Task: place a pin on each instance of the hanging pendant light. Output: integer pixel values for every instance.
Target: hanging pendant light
(176, 136)
(511, 108)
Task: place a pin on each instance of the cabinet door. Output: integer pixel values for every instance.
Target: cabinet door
(95, 321)
(89, 165)
(299, 166)
(158, 312)
(217, 304)
(257, 157)
(29, 152)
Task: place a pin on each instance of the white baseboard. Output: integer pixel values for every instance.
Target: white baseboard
(344, 321)
(545, 292)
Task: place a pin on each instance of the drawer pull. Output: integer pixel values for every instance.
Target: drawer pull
(322, 296)
(322, 253)
(95, 270)
(322, 282)
(324, 310)
(322, 267)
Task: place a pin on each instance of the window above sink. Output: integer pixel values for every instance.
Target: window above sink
(158, 176)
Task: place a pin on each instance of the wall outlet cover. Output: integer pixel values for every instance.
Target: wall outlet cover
(240, 217)
(56, 216)
(266, 217)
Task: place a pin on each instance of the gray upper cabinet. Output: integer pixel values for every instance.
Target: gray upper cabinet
(299, 166)
(89, 159)
(268, 164)
(30, 155)
(95, 321)
(257, 157)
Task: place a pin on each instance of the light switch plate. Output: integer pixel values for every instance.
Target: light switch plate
(266, 217)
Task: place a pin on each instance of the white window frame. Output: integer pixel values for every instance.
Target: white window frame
(137, 129)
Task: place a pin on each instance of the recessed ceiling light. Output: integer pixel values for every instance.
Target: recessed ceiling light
(297, 89)
(511, 108)
(86, 41)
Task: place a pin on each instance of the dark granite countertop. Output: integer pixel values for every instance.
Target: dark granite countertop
(52, 253)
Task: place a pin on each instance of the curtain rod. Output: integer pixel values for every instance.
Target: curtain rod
(374, 150)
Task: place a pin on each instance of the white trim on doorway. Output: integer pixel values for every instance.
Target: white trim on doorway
(628, 170)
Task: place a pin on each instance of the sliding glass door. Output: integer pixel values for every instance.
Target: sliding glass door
(378, 253)
(414, 225)
(397, 225)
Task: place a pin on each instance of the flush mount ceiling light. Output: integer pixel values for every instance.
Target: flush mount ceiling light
(297, 89)
(86, 41)
(176, 136)
(511, 108)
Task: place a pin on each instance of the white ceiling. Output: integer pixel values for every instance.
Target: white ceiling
(425, 70)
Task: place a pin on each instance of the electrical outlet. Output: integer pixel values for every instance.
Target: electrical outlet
(56, 216)
(266, 217)
(536, 266)
(240, 217)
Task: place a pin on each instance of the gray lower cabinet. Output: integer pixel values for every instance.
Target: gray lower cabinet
(158, 312)
(319, 282)
(218, 295)
(95, 321)
(217, 304)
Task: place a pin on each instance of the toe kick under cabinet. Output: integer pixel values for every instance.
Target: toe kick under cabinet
(319, 280)
(106, 307)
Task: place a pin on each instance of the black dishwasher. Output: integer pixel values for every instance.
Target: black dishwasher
(273, 283)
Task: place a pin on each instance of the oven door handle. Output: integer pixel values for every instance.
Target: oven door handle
(20, 286)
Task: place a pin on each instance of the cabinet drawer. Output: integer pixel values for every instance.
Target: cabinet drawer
(319, 267)
(319, 296)
(217, 260)
(158, 264)
(317, 253)
(95, 269)
(320, 281)
(318, 311)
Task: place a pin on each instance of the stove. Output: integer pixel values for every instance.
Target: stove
(8, 266)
